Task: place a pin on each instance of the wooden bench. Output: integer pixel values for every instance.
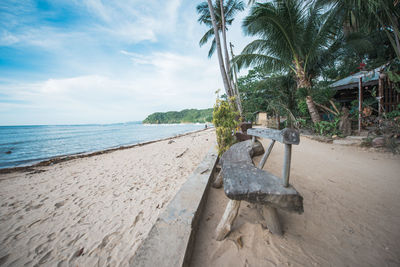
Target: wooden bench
(243, 181)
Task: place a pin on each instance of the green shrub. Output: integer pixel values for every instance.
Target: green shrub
(328, 128)
(225, 122)
(395, 113)
(302, 106)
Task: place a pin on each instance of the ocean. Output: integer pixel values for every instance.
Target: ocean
(26, 145)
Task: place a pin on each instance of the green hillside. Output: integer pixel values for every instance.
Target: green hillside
(184, 116)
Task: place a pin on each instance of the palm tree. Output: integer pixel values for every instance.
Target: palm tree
(231, 8)
(218, 47)
(293, 37)
(374, 14)
(223, 17)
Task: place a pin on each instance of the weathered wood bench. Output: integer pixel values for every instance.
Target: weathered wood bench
(243, 181)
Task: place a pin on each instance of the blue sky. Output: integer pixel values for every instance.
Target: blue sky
(92, 61)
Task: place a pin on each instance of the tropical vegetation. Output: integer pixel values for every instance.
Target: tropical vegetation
(298, 49)
(225, 120)
(183, 116)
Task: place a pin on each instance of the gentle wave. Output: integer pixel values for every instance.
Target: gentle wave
(24, 145)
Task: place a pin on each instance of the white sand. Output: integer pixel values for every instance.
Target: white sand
(95, 210)
(351, 213)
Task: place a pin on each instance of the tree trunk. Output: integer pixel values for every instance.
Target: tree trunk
(219, 52)
(304, 82)
(227, 63)
(236, 88)
(312, 109)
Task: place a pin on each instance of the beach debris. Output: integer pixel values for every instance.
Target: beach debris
(59, 204)
(206, 170)
(8, 152)
(181, 154)
(79, 252)
(239, 241)
(171, 141)
(378, 142)
(36, 171)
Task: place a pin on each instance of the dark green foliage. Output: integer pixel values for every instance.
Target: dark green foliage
(394, 114)
(328, 128)
(320, 92)
(184, 116)
(274, 94)
(291, 36)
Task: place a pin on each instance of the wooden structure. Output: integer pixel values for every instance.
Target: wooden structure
(243, 181)
(359, 86)
(348, 89)
(261, 118)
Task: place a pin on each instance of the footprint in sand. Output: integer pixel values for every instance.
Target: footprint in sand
(45, 257)
(41, 248)
(51, 236)
(33, 207)
(4, 259)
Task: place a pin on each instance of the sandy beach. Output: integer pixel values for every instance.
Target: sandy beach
(93, 211)
(351, 213)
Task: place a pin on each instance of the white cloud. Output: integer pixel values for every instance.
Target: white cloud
(7, 38)
(175, 82)
(102, 76)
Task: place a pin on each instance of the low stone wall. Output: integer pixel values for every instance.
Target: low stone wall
(171, 239)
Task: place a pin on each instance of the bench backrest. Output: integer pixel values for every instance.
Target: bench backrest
(285, 136)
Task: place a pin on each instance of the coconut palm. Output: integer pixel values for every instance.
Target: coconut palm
(218, 19)
(293, 37)
(218, 47)
(373, 14)
(231, 8)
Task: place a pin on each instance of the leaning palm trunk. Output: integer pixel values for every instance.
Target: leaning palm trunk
(312, 109)
(304, 82)
(219, 52)
(235, 87)
(227, 63)
(223, 28)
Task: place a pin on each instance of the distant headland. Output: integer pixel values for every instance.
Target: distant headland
(183, 116)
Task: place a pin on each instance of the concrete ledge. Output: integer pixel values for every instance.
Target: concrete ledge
(171, 238)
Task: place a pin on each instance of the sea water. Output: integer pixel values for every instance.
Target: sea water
(25, 145)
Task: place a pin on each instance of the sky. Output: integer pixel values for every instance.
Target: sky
(93, 61)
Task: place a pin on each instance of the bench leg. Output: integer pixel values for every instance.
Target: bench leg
(224, 226)
(271, 219)
(266, 155)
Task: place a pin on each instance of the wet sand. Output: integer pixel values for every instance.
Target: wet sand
(94, 210)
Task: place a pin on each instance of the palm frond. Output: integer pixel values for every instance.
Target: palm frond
(206, 37)
(212, 48)
(261, 60)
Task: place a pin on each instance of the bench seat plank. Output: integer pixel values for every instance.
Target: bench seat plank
(243, 181)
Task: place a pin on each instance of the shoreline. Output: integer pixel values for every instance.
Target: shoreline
(67, 157)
